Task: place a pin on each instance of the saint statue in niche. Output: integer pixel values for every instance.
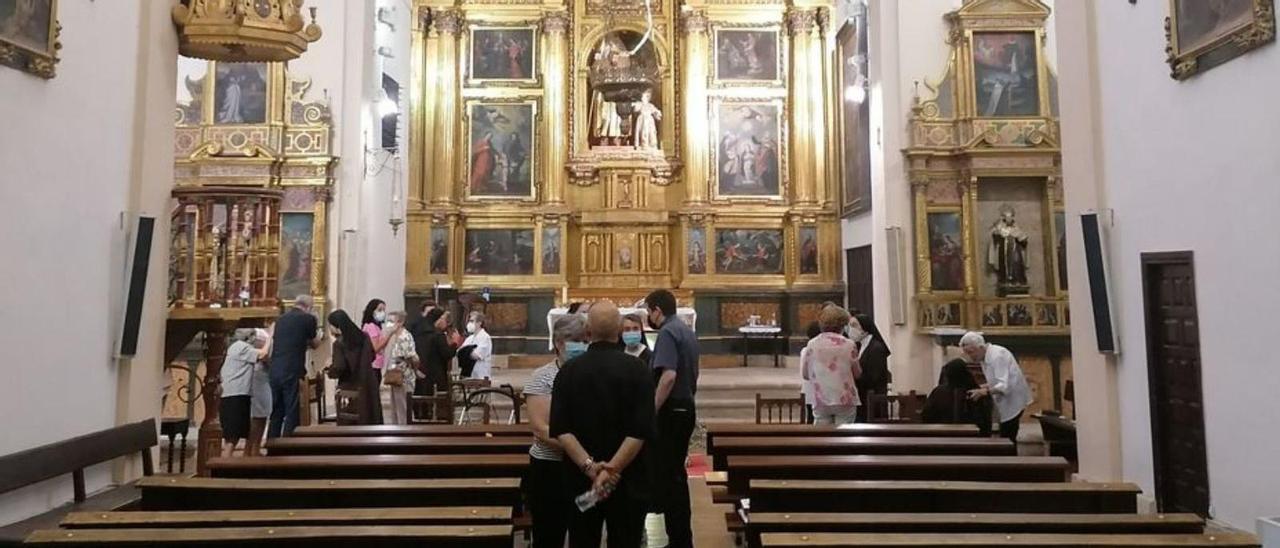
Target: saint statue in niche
(1007, 255)
(623, 111)
(646, 125)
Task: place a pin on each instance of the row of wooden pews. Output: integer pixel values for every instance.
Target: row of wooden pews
(421, 485)
(923, 485)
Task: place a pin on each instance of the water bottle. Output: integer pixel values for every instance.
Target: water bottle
(587, 501)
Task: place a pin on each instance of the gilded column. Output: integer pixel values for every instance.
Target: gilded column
(696, 127)
(448, 25)
(555, 100)
(818, 93)
(802, 25)
(420, 119)
(969, 208)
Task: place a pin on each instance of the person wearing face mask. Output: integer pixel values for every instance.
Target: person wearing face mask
(549, 503)
(237, 382)
(633, 338)
(478, 346)
(352, 366)
(675, 362)
(873, 357)
(401, 372)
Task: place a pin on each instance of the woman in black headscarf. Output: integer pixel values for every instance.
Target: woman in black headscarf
(353, 366)
(948, 404)
(873, 357)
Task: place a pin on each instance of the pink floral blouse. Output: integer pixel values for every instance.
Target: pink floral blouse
(830, 363)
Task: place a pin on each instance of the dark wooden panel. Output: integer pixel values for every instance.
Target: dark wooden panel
(330, 430)
(942, 496)
(263, 494)
(370, 466)
(449, 515)
(856, 430)
(399, 445)
(897, 467)
(877, 540)
(49, 461)
(481, 536)
(861, 274)
(820, 445)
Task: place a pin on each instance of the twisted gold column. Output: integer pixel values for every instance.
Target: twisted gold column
(696, 127)
(555, 100)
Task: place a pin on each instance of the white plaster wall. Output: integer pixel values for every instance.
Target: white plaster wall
(77, 152)
(1191, 166)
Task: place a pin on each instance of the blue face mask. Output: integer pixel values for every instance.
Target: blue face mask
(632, 338)
(573, 349)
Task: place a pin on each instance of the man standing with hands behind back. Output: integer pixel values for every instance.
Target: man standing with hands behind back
(675, 363)
(602, 408)
(295, 332)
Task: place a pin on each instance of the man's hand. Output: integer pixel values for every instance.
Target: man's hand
(978, 393)
(605, 480)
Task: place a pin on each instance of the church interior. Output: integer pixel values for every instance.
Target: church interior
(1051, 175)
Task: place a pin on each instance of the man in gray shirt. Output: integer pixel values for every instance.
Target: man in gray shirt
(675, 364)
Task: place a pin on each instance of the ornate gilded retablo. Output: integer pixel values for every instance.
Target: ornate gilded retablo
(244, 30)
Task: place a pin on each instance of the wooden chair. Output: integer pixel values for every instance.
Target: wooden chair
(434, 409)
(347, 405)
(460, 390)
(899, 408)
(787, 410)
(482, 399)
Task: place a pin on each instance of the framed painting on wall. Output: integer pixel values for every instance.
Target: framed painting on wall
(749, 251)
(296, 236)
(747, 56)
(240, 93)
(503, 55)
(854, 119)
(1203, 34)
(502, 149)
(946, 252)
(499, 252)
(748, 149)
(1060, 247)
(551, 250)
(29, 35)
(439, 250)
(1006, 74)
(697, 250)
(808, 237)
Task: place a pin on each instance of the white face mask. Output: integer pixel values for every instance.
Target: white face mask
(856, 333)
(472, 327)
(379, 316)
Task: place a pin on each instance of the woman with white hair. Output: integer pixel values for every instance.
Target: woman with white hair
(549, 502)
(478, 346)
(237, 381)
(401, 372)
(1005, 384)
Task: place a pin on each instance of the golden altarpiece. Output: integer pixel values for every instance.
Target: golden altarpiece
(603, 148)
(253, 169)
(984, 164)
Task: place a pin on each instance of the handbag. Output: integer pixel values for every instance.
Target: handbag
(393, 377)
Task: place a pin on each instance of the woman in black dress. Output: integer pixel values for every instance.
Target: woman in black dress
(873, 357)
(353, 367)
(949, 404)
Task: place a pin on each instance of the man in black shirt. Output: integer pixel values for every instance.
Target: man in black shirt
(602, 414)
(675, 362)
(296, 332)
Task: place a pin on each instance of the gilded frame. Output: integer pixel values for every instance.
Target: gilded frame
(24, 58)
(273, 100)
(714, 80)
(1185, 63)
(535, 252)
(1037, 34)
(534, 154)
(535, 78)
(848, 36)
(783, 144)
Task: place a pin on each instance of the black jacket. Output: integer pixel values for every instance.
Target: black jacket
(875, 369)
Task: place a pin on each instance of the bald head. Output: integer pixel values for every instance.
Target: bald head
(603, 322)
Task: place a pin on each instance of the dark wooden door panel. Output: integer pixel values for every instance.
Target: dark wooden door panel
(859, 269)
(1177, 398)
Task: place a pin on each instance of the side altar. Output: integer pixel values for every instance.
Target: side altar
(608, 147)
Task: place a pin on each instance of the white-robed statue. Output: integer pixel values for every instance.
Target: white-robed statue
(646, 126)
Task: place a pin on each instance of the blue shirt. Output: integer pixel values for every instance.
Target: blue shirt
(294, 332)
(677, 350)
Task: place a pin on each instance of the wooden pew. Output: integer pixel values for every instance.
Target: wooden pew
(449, 515)
(896, 467)
(399, 445)
(881, 540)
(1130, 524)
(715, 431)
(943, 496)
(479, 536)
(172, 493)
(371, 466)
(820, 445)
(332, 430)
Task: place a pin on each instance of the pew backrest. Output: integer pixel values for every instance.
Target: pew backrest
(72, 456)
(330, 430)
(881, 540)
(398, 445)
(370, 466)
(743, 469)
(942, 496)
(479, 536)
(185, 493)
(447, 515)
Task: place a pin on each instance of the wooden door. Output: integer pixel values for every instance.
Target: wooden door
(1173, 365)
(858, 268)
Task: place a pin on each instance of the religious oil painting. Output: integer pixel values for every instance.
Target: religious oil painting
(855, 119)
(240, 93)
(296, 232)
(748, 150)
(439, 250)
(28, 34)
(1060, 247)
(946, 252)
(502, 149)
(808, 238)
(1206, 33)
(1006, 73)
(747, 56)
(992, 315)
(551, 250)
(697, 250)
(947, 314)
(506, 54)
(500, 252)
(1046, 315)
(749, 251)
(1019, 315)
